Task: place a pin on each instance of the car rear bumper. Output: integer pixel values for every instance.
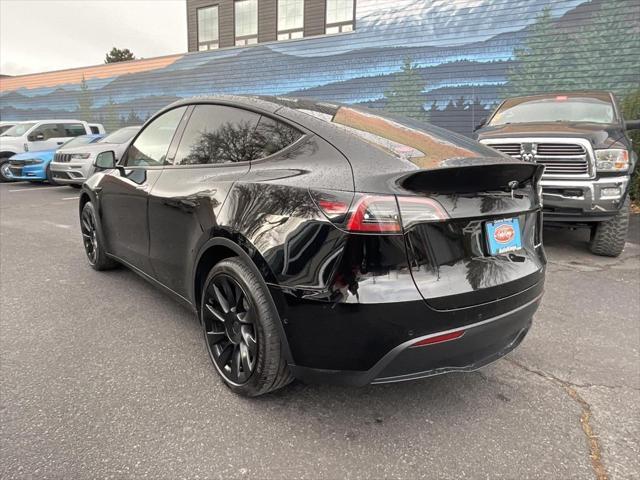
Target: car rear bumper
(582, 200)
(480, 344)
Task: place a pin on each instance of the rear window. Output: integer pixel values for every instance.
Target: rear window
(561, 108)
(422, 144)
(73, 129)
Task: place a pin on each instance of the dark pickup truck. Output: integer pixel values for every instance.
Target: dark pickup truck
(580, 138)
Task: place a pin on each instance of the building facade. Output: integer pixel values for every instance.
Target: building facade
(444, 61)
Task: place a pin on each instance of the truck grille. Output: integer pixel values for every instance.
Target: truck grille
(62, 157)
(560, 159)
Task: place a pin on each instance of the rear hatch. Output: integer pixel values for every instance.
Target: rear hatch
(489, 245)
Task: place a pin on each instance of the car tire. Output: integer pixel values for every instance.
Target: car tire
(4, 166)
(241, 333)
(92, 240)
(608, 238)
(50, 178)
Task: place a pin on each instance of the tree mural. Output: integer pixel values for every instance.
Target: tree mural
(405, 93)
(576, 57)
(85, 102)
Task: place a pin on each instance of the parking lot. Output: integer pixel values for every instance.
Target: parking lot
(102, 375)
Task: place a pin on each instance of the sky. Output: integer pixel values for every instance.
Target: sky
(44, 35)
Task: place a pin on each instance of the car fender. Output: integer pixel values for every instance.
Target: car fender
(252, 258)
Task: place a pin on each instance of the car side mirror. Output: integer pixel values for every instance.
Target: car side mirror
(106, 160)
(482, 123)
(36, 137)
(632, 125)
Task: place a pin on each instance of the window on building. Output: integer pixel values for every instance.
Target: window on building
(152, 145)
(340, 16)
(246, 19)
(208, 28)
(290, 19)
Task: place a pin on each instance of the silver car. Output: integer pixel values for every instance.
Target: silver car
(72, 166)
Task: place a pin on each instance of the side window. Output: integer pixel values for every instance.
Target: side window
(73, 129)
(94, 130)
(152, 145)
(272, 136)
(217, 134)
(47, 130)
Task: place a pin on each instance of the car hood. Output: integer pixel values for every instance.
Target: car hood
(92, 148)
(598, 134)
(42, 154)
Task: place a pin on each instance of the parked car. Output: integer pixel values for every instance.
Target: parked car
(35, 136)
(4, 126)
(73, 165)
(580, 138)
(321, 241)
(36, 166)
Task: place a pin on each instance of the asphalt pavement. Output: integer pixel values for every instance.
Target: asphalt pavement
(103, 376)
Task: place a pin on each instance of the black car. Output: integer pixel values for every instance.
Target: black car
(324, 242)
(580, 138)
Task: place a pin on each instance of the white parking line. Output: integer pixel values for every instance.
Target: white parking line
(35, 188)
(71, 198)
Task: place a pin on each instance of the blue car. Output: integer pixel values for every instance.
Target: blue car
(34, 166)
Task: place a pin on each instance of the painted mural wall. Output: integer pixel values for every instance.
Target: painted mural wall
(444, 61)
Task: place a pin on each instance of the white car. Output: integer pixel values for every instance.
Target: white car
(72, 166)
(4, 126)
(38, 135)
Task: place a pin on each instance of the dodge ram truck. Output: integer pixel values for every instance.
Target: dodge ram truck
(580, 138)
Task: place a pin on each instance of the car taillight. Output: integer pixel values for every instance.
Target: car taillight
(387, 214)
(375, 213)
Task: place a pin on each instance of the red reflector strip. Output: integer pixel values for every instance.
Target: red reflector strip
(439, 339)
(561, 98)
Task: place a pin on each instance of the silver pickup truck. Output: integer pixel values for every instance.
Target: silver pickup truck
(580, 138)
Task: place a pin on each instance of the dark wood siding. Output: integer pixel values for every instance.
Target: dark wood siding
(267, 20)
(314, 14)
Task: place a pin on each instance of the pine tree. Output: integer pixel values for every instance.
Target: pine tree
(405, 93)
(85, 102)
(111, 120)
(119, 55)
(542, 63)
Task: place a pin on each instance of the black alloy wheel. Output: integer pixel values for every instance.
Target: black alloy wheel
(229, 320)
(91, 240)
(89, 235)
(240, 323)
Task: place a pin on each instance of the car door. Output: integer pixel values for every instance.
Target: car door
(124, 194)
(214, 151)
(46, 136)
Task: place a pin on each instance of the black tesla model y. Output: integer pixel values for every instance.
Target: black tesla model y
(322, 241)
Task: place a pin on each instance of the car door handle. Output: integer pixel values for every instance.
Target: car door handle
(59, 143)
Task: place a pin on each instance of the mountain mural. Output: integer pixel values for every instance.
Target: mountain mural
(443, 61)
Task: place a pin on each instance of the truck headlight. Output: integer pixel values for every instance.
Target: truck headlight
(612, 160)
(80, 155)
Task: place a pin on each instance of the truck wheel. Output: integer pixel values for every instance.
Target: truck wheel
(608, 238)
(4, 170)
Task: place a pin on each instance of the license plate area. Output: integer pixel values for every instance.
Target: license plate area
(503, 236)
